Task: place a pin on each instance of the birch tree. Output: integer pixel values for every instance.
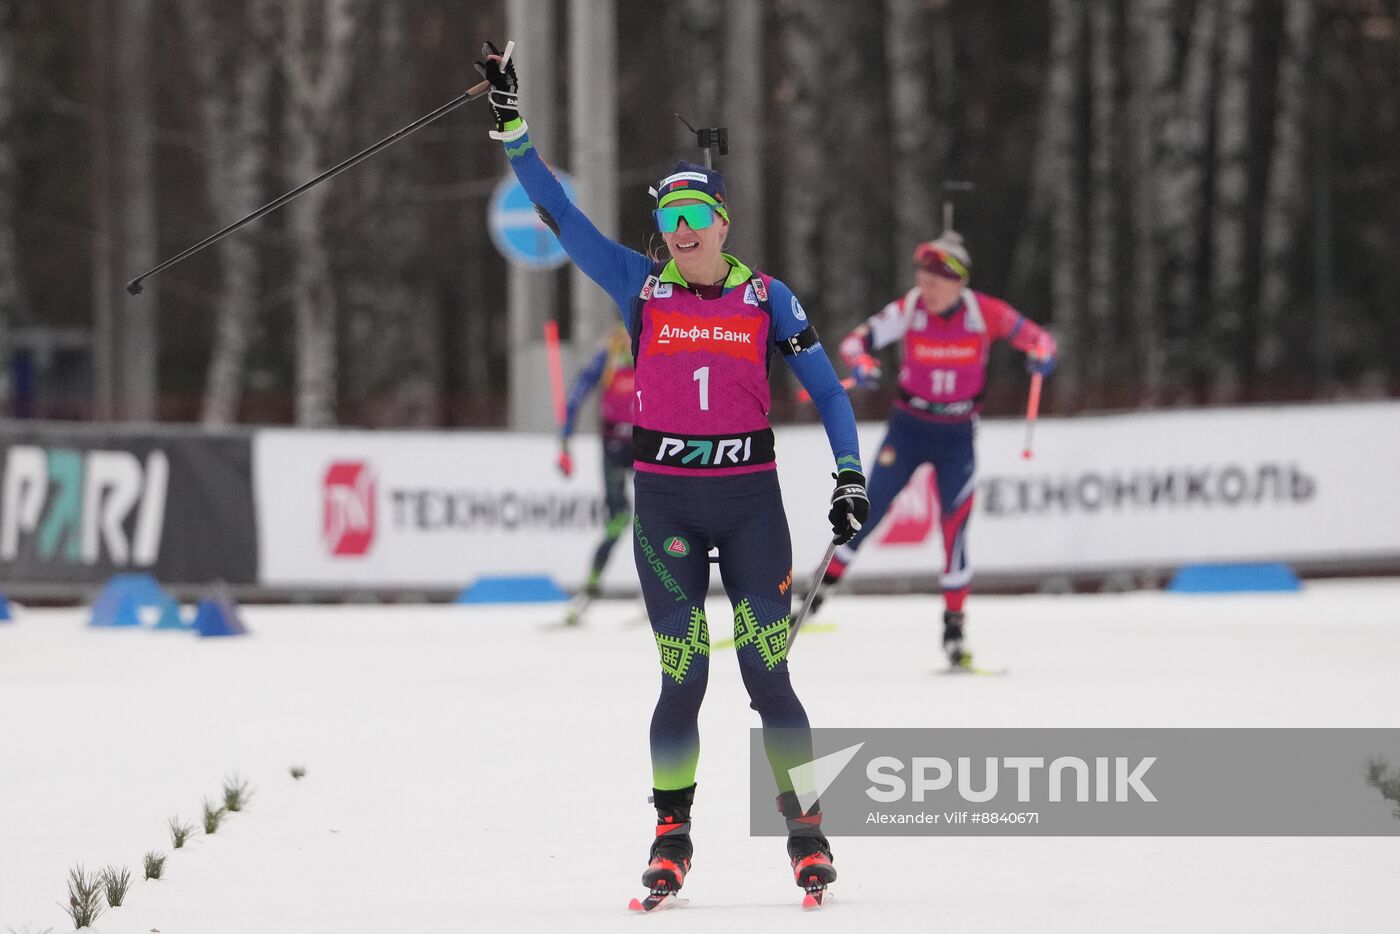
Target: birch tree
(1228, 310)
(393, 328)
(318, 36)
(1099, 348)
(805, 53)
(918, 153)
(857, 252)
(1181, 206)
(233, 74)
(1284, 200)
(1067, 266)
(835, 196)
(698, 31)
(1150, 46)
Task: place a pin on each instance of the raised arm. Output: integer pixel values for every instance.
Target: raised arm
(618, 270)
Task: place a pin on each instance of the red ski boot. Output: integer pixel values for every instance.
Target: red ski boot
(670, 851)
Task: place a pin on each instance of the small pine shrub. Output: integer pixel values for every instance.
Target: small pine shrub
(180, 831)
(84, 896)
(115, 882)
(298, 771)
(236, 792)
(213, 816)
(155, 865)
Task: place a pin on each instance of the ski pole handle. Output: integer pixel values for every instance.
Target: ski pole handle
(1032, 411)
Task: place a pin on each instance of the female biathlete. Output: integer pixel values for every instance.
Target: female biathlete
(612, 372)
(704, 327)
(946, 331)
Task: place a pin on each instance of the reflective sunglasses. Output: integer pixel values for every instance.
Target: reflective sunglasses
(936, 261)
(697, 216)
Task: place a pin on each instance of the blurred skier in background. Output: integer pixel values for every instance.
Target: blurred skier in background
(945, 331)
(610, 371)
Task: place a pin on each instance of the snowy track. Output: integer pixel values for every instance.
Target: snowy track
(463, 761)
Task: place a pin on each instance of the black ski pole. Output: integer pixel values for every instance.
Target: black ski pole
(477, 90)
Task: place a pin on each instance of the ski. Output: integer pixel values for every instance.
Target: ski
(657, 901)
(815, 898)
(973, 670)
(574, 615)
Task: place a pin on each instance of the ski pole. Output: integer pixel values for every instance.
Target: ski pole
(811, 595)
(477, 90)
(1032, 410)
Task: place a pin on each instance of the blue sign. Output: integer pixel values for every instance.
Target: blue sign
(517, 230)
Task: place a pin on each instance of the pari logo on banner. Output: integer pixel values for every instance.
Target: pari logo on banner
(347, 511)
(63, 505)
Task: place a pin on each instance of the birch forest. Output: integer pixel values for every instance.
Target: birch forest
(1201, 198)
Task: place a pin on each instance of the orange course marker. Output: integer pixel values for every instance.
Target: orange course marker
(556, 369)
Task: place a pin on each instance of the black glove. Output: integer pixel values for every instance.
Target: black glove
(505, 86)
(850, 507)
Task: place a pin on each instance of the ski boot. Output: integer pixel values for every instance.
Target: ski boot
(671, 850)
(582, 599)
(808, 851)
(959, 655)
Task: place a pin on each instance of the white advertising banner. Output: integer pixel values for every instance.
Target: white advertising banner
(1146, 490)
(418, 509)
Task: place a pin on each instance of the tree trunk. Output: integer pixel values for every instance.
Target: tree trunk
(317, 62)
(835, 192)
(1286, 196)
(1101, 336)
(138, 244)
(746, 107)
(234, 75)
(1067, 242)
(1182, 207)
(11, 291)
(1228, 310)
(803, 182)
(394, 347)
(1150, 42)
(918, 156)
(698, 31)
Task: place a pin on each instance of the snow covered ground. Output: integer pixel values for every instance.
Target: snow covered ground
(467, 769)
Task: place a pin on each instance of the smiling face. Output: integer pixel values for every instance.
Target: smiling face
(940, 293)
(698, 253)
